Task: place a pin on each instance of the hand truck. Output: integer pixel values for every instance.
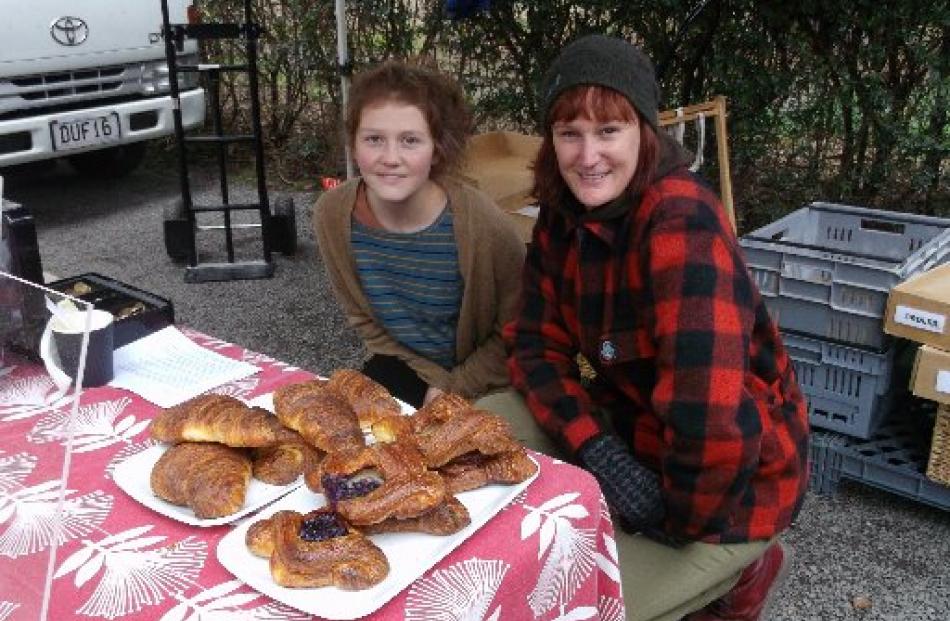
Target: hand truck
(278, 225)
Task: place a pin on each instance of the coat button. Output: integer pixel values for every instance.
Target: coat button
(608, 351)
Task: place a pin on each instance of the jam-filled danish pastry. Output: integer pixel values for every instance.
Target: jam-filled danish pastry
(377, 483)
(317, 549)
(468, 447)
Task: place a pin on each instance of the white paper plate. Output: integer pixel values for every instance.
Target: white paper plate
(410, 555)
(134, 474)
(266, 401)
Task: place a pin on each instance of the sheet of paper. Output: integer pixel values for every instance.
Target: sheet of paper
(167, 368)
(943, 382)
(531, 211)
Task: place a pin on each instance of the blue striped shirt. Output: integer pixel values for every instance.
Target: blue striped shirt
(413, 284)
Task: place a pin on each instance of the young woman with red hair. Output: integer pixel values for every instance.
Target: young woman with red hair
(424, 265)
(694, 425)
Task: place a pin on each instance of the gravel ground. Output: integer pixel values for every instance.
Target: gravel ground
(862, 554)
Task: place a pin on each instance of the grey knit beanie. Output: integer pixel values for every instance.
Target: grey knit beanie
(603, 61)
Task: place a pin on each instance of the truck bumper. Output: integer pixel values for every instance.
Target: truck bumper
(29, 139)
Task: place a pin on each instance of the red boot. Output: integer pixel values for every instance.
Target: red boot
(751, 596)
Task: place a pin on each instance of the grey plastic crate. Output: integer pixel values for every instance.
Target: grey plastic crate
(848, 389)
(894, 460)
(825, 461)
(827, 269)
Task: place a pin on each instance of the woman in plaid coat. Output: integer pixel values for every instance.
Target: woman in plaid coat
(694, 426)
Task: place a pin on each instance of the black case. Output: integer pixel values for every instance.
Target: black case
(22, 312)
(153, 312)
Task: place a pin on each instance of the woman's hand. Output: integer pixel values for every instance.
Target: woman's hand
(431, 394)
(632, 490)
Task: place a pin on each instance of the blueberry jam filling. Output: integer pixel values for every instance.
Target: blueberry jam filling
(321, 527)
(337, 487)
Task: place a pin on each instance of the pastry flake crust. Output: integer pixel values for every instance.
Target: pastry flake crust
(287, 394)
(321, 416)
(393, 429)
(475, 470)
(446, 518)
(369, 399)
(470, 431)
(259, 538)
(400, 497)
(283, 463)
(444, 407)
(390, 460)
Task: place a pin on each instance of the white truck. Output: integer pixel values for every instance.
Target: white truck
(87, 80)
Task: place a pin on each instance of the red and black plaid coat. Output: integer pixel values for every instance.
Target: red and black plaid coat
(689, 365)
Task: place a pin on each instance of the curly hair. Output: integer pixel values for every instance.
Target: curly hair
(597, 103)
(439, 98)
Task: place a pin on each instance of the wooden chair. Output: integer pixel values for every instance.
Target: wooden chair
(715, 109)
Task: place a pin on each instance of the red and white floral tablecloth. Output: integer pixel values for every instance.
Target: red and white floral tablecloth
(550, 554)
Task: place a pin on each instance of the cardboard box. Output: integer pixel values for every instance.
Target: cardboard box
(919, 309)
(931, 376)
(499, 163)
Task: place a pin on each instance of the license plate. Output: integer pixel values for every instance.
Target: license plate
(87, 132)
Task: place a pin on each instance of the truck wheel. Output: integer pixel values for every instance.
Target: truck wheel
(177, 231)
(109, 163)
(283, 228)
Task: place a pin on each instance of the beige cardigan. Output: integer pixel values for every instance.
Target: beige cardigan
(491, 256)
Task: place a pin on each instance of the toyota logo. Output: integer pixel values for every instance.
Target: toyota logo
(69, 31)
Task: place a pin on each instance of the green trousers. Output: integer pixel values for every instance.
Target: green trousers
(659, 583)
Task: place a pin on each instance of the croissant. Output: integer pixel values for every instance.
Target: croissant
(370, 400)
(321, 416)
(285, 462)
(210, 478)
(316, 550)
(446, 518)
(216, 418)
